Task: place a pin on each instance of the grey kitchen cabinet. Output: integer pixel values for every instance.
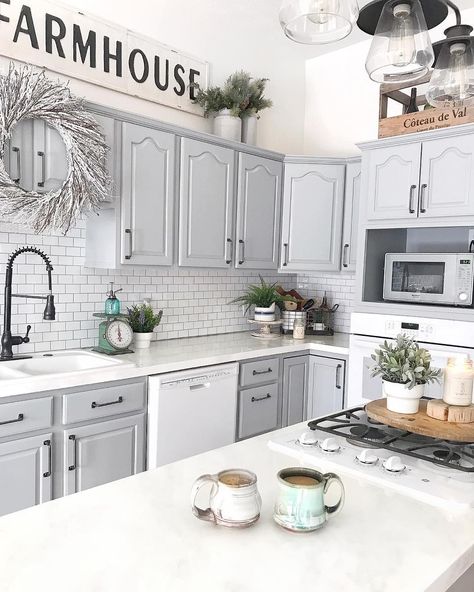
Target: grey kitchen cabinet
(102, 452)
(50, 165)
(295, 389)
(147, 195)
(258, 212)
(351, 216)
(326, 386)
(25, 472)
(19, 154)
(313, 200)
(258, 410)
(206, 201)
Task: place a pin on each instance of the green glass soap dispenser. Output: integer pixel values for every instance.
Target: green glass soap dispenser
(112, 304)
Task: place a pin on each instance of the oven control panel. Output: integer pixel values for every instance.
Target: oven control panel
(420, 331)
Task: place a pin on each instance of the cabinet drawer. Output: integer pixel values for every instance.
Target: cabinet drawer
(25, 416)
(258, 410)
(103, 402)
(259, 372)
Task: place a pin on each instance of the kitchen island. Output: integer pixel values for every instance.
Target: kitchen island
(139, 535)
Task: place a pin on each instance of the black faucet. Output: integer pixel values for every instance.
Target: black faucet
(49, 314)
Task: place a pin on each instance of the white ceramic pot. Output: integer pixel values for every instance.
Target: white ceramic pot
(228, 126)
(142, 340)
(401, 399)
(265, 314)
(249, 130)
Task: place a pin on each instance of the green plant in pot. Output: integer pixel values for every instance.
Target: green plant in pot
(263, 297)
(405, 368)
(257, 102)
(143, 320)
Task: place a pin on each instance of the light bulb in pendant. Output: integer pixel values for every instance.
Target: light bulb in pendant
(401, 46)
(323, 11)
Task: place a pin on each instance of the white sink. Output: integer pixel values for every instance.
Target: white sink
(55, 363)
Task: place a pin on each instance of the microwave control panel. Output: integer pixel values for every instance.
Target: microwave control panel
(420, 331)
(464, 280)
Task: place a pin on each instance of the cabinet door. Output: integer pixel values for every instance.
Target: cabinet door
(206, 205)
(103, 452)
(351, 216)
(258, 213)
(50, 166)
(312, 217)
(392, 178)
(447, 179)
(148, 182)
(295, 389)
(326, 386)
(25, 473)
(19, 155)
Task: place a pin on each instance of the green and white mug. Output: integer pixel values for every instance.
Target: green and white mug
(300, 505)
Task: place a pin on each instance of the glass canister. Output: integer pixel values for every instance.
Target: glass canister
(299, 328)
(458, 381)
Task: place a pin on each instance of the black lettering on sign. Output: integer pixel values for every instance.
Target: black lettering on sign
(89, 46)
(180, 89)
(56, 37)
(131, 65)
(193, 74)
(25, 14)
(162, 85)
(4, 18)
(110, 56)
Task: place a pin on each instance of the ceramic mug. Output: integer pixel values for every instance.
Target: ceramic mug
(234, 498)
(300, 505)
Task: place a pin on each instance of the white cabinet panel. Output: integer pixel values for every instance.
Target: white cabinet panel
(312, 217)
(206, 205)
(351, 216)
(258, 212)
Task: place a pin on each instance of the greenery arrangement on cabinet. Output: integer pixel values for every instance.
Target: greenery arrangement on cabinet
(143, 320)
(263, 297)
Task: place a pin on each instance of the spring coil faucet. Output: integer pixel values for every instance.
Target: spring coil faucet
(49, 314)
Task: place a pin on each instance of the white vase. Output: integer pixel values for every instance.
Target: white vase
(249, 130)
(262, 313)
(228, 126)
(142, 340)
(401, 399)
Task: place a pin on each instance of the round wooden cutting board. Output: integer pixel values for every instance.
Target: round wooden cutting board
(420, 423)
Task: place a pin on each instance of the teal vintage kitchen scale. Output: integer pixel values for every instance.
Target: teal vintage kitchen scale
(115, 334)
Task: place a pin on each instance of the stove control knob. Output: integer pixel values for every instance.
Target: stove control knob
(394, 465)
(330, 445)
(367, 457)
(308, 439)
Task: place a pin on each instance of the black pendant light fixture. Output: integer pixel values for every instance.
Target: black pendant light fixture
(401, 49)
(452, 80)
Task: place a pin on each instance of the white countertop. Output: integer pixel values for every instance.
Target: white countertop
(139, 535)
(180, 354)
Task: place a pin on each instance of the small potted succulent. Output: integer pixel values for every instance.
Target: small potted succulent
(263, 297)
(405, 368)
(143, 320)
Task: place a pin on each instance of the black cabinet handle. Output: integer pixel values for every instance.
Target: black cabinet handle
(242, 252)
(18, 163)
(257, 399)
(424, 187)
(130, 243)
(411, 209)
(48, 472)
(74, 463)
(338, 376)
(43, 169)
(258, 372)
(20, 417)
(285, 254)
(94, 405)
(228, 258)
(345, 260)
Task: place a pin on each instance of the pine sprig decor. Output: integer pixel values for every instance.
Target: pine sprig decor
(26, 93)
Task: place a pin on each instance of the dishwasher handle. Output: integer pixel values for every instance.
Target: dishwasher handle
(198, 387)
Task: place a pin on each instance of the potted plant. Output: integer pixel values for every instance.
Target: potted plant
(143, 320)
(263, 297)
(256, 103)
(405, 368)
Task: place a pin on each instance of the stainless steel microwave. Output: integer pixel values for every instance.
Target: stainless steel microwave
(429, 278)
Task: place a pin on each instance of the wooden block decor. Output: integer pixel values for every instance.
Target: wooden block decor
(461, 414)
(437, 409)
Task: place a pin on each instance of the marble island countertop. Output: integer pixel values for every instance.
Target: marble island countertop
(180, 354)
(139, 534)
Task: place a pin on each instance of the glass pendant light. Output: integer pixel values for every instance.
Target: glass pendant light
(401, 49)
(452, 81)
(318, 21)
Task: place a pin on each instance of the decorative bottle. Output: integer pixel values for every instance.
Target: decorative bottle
(112, 304)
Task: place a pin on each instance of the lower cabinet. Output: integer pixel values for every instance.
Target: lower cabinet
(258, 410)
(326, 385)
(295, 389)
(25, 473)
(103, 452)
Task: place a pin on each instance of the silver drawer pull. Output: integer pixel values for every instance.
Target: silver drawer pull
(256, 399)
(20, 417)
(228, 255)
(258, 372)
(72, 467)
(18, 164)
(43, 168)
(48, 472)
(338, 376)
(94, 405)
(128, 231)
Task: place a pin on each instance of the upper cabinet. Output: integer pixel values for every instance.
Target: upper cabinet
(19, 155)
(258, 212)
(206, 201)
(148, 177)
(351, 216)
(312, 217)
(50, 167)
(421, 180)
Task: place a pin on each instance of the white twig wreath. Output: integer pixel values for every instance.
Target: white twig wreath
(28, 94)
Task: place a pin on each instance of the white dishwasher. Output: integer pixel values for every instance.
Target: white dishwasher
(191, 412)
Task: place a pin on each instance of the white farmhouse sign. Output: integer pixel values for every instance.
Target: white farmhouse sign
(58, 38)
